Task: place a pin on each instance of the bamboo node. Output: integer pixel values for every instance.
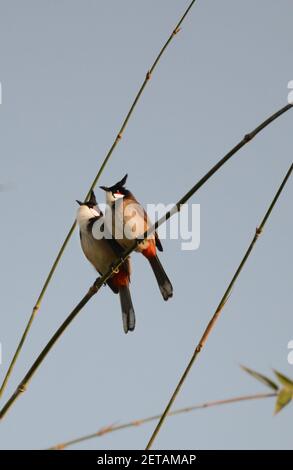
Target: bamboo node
(198, 348)
(247, 138)
(94, 289)
(59, 447)
(138, 422)
(21, 388)
(176, 31)
(258, 232)
(148, 75)
(104, 430)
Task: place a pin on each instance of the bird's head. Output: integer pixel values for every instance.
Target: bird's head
(89, 208)
(115, 192)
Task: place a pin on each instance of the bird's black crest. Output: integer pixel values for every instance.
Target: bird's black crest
(117, 186)
(92, 202)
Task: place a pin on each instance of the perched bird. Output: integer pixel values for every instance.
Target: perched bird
(101, 253)
(126, 219)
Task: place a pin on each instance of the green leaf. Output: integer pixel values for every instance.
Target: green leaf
(284, 397)
(262, 378)
(284, 380)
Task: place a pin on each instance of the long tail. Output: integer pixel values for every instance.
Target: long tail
(164, 283)
(128, 315)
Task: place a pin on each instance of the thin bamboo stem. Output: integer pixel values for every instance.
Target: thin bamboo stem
(139, 422)
(218, 311)
(72, 228)
(100, 281)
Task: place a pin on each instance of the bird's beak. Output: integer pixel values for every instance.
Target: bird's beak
(104, 188)
(78, 202)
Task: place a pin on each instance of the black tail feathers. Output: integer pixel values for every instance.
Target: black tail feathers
(164, 283)
(128, 315)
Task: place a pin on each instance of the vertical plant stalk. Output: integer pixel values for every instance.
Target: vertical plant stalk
(139, 422)
(101, 280)
(216, 315)
(72, 228)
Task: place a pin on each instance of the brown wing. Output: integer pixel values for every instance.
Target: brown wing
(147, 225)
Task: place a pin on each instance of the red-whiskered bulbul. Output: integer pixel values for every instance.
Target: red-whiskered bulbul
(101, 253)
(127, 213)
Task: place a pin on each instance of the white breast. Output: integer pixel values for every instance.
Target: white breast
(98, 252)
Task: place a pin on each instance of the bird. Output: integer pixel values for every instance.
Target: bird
(102, 253)
(123, 214)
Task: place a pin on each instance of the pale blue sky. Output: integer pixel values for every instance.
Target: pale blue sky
(69, 71)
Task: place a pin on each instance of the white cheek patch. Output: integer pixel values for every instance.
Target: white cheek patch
(110, 198)
(94, 212)
(118, 196)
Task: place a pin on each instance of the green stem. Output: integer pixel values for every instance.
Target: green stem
(139, 422)
(68, 236)
(218, 311)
